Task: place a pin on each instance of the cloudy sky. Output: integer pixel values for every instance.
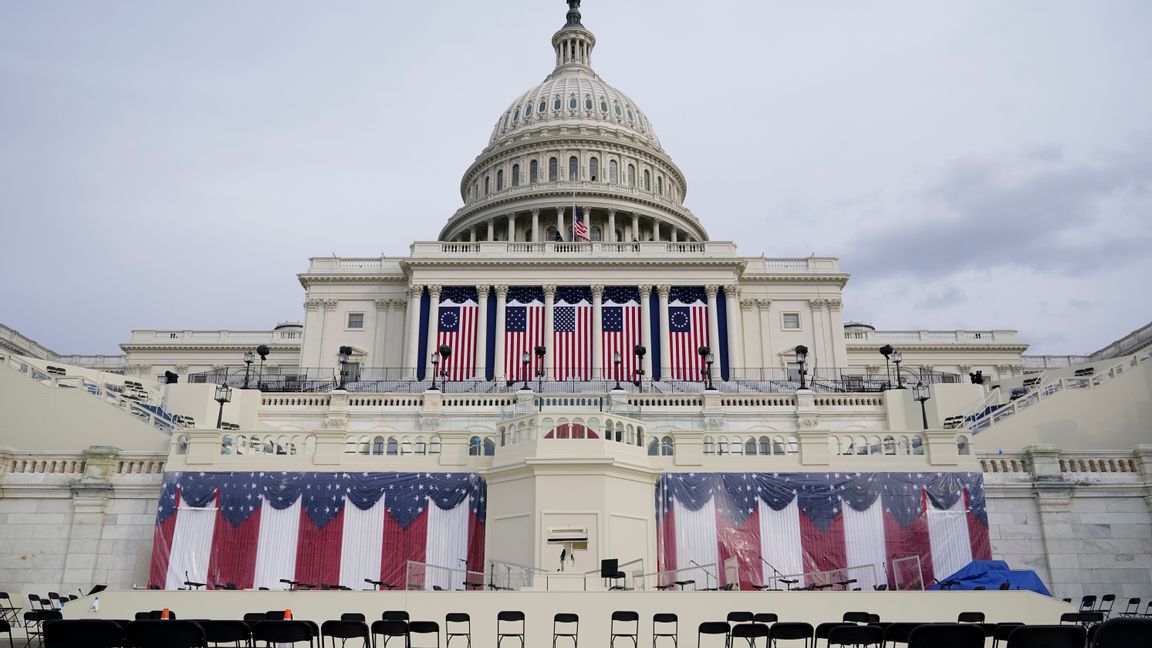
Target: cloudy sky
(975, 164)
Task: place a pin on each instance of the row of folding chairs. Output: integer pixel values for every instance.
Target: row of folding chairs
(1104, 605)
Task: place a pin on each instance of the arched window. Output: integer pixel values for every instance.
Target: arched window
(421, 446)
(506, 116)
(528, 110)
(709, 445)
(434, 445)
(596, 234)
(557, 103)
(489, 447)
(542, 107)
(667, 449)
(750, 446)
(587, 102)
(630, 117)
(889, 445)
(613, 172)
(500, 179)
(647, 180)
(660, 185)
(573, 169)
(515, 175)
(631, 176)
(516, 115)
(378, 446)
(594, 169)
(765, 446)
(603, 105)
(962, 447)
(405, 445)
(486, 185)
(553, 169)
(572, 102)
(616, 107)
(474, 447)
(653, 447)
(393, 447)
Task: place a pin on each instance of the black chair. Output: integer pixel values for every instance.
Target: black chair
(11, 613)
(1123, 633)
(1088, 603)
(388, 630)
(155, 615)
(1132, 609)
(712, 628)
(156, 633)
(740, 617)
(81, 633)
(354, 616)
(749, 632)
(6, 628)
(1048, 636)
(510, 617)
(624, 617)
(791, 631)
(1106, 603)
(234, 632)
(970, 617)
(1003, 631)
(1082, 618)
(570, 624)
(274, 615)
(946, 635)
(34, 603)
(394, 615)
(765, 617)
(900, 632)
(824, 630)
(457, 618)
(423, 628)
(856, 635)
(344, 630)
(666, 619)
(34, 622)
(856, 617)
(253, 617)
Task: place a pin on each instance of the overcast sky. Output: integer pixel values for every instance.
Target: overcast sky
(975, 164)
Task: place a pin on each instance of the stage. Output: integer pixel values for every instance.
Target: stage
(594, 608)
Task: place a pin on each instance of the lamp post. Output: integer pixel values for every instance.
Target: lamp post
(525, 359)
(540, 351)
(897, 357)
(801, 359)
(640, 351)
(886, 351)
(435, 369)
(616, 358)
(440, 356)
(345, 352)
(223, 395)
(708, 358)
(922, 393)
(263, 352)
(249, 358)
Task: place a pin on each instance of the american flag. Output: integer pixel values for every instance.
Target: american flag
(687, 332)
(572, 333)
(457, 329)
(523, 330)
(620, 331)
(579, 227)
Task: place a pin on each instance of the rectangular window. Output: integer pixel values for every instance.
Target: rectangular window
(791, 321)
(355, 320)
(352, 371)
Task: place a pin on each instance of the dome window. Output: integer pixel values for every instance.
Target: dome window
(594, 169)
(533, 172)
(617, 108)
(553, 169)
(528, 110)
(631, 176)
(647, 180)
(660, 185)
(557, 104)
(572, 102)
(500, 179)
(485, 185)
(603, 105)
(630, 117)
(587, 102)
(613, 172)
(516, 115)
(543, 107)
(573, 169)
(506, 117)
(515, 175)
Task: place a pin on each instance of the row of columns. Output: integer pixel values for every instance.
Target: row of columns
(734, 333)
(609, 232)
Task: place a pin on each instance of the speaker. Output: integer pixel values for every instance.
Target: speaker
(170, 378)
(609, 567)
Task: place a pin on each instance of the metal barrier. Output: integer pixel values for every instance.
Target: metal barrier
(907, 573)
(426, 576)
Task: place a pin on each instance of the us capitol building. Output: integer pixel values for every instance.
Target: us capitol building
(574, 337)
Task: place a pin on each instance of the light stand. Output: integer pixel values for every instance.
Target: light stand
(345, 352)
(640, 351)
(223, 395)
(263, 352)
(922, 394)
(445, 351)
(435, 369)
(897, 358)
(706, 354)
(540, 351)
(249, 358)
(886, 351)
(525, 358)
(802, 359)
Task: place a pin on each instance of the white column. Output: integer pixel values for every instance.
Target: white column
(380, 332)
(549, 324)
(560, 223)
(636, 227)
(433, 326)
(769, 359)
(511, 227)
(597, 330)
(411, 332)
(472, 234)
(491, 229)
(498, 356)
(535, 225)
(610, 235)
(588, 221)
(646, 327)
(665, 352)
(735, 332)
(481, 331)
(713, 327)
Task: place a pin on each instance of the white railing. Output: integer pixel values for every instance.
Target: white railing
(206, 337)
(426, 249)
(345, 264)
(566, 188)
(968, 337)
(1053, 361)
(1131, 343)
(1045, 391)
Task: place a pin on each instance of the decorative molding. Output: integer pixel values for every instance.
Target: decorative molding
(834, 304)
(732, 291)
(645, 291)
(434, 291)
(663, 290)
(382, 305)
(501, 291)
(330, 304)
(764, 304)
(549, 291)
(312, 305)
(748, 304)
(711, 290)
(597, 291)
(482, 291)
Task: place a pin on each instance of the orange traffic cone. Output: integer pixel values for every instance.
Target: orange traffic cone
(288, 614)
(164, 614)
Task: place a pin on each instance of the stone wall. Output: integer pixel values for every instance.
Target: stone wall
(70, 521)
(1082, 520)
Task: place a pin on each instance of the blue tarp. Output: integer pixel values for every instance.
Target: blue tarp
(991, 574)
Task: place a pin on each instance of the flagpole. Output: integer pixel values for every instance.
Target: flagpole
(574, 204)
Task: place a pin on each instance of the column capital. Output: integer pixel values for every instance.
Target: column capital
(330, 304)
(597, 291)
(816, 304)
(549, 291)
(732, 290)
(536, 212)
(312, 305)
(748, 304)
(663, 290)
(611, 213)
(763, 304)
(834, 304)
(501, 291)
(399, 305)
(383, 305)
(645, 290)
(711, 290)
(434, 291)
(415, 290)
(482, 291)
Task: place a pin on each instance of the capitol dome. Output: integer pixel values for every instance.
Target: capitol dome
(573, 159)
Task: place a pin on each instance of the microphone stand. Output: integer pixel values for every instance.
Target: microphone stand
(707, 574)
(775, 573)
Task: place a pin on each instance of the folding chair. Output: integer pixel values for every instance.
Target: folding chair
(666, 619)
(970, 617)
(1088, 603)
(899, 632)
(1123, 633)
(344, 630)
(570, 624)
(855, 635)
(1049, 636)
(150, 633)
(749, 632)
(1107, 600)
(388, 630)
(765, 617)
(712, 628)
(457, 618)
(1003, 632)
(624, 617)
(510, 617)
(353, 616)
(11, 613)
(423, 628)
(1131, 610)
(856, 617)
(228, 631)
(83, 633)
(6, 627)
(946, 635)
(791, 631)
(394, 615)
(34, 622)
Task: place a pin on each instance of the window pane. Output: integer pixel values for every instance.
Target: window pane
(573, 168)
(594, 169)
(500, 180)
(533, 171)
(556, 104)
(542, 107)
(355, 320)
(515, 175)
(587, 103)
(791, 320)
(613, 171)
(553, 169)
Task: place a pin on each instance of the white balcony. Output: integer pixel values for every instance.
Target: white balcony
(859, 336)
(151, 337)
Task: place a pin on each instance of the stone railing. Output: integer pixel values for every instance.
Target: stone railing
(552, 249)
(1053, 361)
(934, 337)
(1133, 342)
(214, 337)
(1050, 464)
(96, 463)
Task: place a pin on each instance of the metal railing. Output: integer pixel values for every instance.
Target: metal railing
(426, 576)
